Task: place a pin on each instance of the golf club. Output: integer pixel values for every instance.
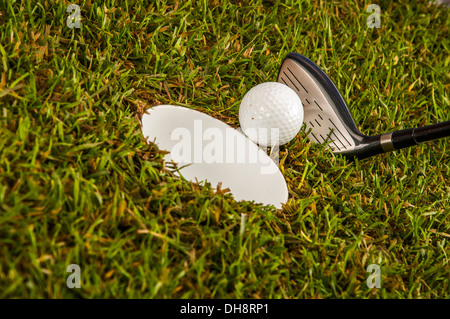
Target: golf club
(328, 119)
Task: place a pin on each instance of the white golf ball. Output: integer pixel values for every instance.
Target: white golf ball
(271, 113)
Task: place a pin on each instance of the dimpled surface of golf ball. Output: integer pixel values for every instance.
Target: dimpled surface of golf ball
(271, 113)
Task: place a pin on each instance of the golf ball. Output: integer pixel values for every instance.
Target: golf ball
(271, 113)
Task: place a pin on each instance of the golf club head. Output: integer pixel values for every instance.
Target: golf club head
(326, 115)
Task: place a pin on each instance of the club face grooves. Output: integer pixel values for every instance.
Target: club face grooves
(327, 117)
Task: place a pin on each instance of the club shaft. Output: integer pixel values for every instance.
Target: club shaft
(396, 140)
(414, 136)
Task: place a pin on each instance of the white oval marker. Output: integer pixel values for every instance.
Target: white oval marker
(207, 149)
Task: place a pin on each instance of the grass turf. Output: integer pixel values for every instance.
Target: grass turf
(79, 185)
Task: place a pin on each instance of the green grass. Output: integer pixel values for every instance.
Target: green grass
(79, 185)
